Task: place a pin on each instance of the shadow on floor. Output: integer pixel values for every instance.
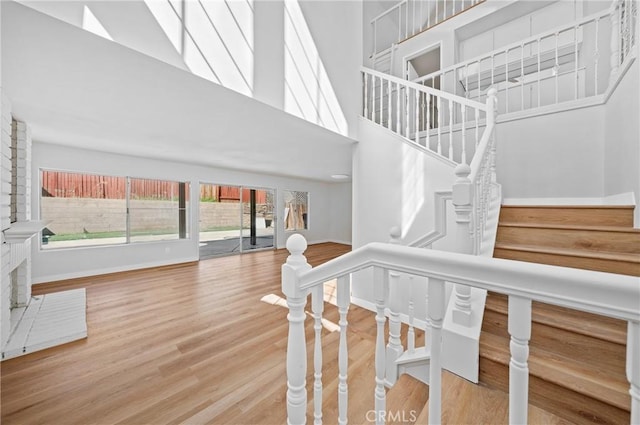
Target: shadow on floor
(232, 245)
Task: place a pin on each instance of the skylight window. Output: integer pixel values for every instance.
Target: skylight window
(92, 24)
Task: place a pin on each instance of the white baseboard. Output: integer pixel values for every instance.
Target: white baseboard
(109, 270)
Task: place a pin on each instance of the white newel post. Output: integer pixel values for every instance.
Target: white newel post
(520, 330)
(296, 345)
(462, 199)
(394, 347)
(633, 369)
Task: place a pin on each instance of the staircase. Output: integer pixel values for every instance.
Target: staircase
(577, 360)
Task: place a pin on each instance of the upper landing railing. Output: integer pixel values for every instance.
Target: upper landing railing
(410, 17)
(606, 294)
(574, 61)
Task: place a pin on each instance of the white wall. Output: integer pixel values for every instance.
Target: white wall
(336, 28)
(268, 74)
(555, 155)
(622, 135)
(129, 23)
(340, 212)
(394, 184)
(50, 265)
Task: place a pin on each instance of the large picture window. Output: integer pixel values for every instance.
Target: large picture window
(90, 209)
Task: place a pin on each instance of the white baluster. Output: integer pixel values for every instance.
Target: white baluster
(406, 27)
(399, 22)
(381, 286)
(492, 69)
(439, 126)
(520, 331)
(343, 301)
(538, 71)
(389, 120)
(366, 94)
(477, 117)
(417, 124)
(317, 306)
(633, 369)
(575, 46)
(463, 154)
(373, 98)
(506, 80)
(450, 129)
(466, 80)
(596, 56)
(407, 104)
(556, 68)
(394, 347)
(522, 76)
(380, 102)
(436, 314)
(296, 345)
(428, 119)
(615, 43)
(375, 36)
(476, 234)
(398, 128)
(411, 333)
(462, 199)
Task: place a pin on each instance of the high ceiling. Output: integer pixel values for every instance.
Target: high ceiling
(79, 90)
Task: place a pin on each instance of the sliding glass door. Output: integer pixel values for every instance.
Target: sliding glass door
(234, 219)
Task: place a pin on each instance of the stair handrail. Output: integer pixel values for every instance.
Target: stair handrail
(623, 38)
(607, 294)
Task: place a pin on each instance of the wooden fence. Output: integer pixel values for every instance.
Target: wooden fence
(73, 185)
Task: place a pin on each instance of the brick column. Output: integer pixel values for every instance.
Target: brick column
(22, 142)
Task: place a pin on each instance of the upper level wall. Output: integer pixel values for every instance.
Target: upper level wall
(335, 29)
(552, 156)
(129, 23)
(622, 136)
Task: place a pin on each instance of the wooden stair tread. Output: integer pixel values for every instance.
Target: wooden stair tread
(406, 399)
(489, 406)
(609, 215)
(571, 252)
(561, 371)
(602, 327)
(594, 228)
(569, 206)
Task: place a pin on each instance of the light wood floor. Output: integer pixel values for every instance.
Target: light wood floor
(193, 344)
(184, 344)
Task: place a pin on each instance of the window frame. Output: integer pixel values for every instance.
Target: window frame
(184, 231)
